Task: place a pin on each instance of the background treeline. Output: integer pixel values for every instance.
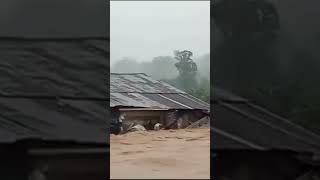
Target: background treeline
(269, 52)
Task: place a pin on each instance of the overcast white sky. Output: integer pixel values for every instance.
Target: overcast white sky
(145, 29)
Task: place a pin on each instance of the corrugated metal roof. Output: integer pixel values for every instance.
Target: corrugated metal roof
(39, 67)
(140, 90)
(221, 94)
(246, 124)
(50, 120)
(53, 89)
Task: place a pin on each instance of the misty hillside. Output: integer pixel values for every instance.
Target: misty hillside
(161, 67)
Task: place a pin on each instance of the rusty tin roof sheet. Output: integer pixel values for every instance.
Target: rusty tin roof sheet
(140, 90)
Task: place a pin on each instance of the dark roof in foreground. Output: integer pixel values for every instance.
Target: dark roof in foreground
(140, 90)
(53, 89)
(243, 125)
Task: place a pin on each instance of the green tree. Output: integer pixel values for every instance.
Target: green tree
(188, 78)
(187, 70)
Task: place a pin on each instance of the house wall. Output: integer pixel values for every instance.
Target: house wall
(253, 166)
(313, 174)
(149, 117)
(17, 163)
(187, 117)
(72, 166)
(145, 118)
(13, 164)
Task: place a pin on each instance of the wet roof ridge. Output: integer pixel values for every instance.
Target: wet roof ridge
(67, 38)
(128, 73)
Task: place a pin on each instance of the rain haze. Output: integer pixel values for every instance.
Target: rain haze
(143, 30)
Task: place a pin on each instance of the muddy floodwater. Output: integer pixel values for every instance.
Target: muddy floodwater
(165, 154)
